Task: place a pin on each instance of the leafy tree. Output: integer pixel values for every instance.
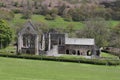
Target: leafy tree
(77, 14)
(61, 9)
(15, 4)
(115, 36)
(52, 14)
(98, 29)
(70, 29)
(44, 9)
(115, 7)
(2, 4)
(5, 34)
(86, 11)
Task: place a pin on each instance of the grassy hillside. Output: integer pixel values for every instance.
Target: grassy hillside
(58, 22)
(20, 69)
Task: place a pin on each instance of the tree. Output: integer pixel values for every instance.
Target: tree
(70, 29)
(6, 15)
(27, 12)
(98, 29)
(115, 36)
(5, 34)
(61, 9)
(67, 17)
(44, 10)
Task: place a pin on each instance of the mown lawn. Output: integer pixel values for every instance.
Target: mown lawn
(21, 69)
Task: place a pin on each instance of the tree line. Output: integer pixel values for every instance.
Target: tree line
(85, 10)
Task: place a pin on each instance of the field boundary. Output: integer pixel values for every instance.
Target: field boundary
(63, 59)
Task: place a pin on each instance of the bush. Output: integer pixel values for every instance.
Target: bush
(27, 14)
(15, 4)
(62, 59)
(49, 17)
(16, 11)
(2, 4)
(67, 18)
(5, 34)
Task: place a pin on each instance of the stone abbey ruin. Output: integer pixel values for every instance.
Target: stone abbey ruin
(53, 43)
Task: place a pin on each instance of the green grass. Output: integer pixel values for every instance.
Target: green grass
(58, 22)
(71, 56)
(21, 69)
(114, 23)
(103, 54)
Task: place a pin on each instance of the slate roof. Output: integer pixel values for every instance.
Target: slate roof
(79, 41)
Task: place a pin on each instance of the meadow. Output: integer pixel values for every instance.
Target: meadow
(21, 69)
(57, 23)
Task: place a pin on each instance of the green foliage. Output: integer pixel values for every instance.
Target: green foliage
(15, 4)
(77, 15)
(49, 17)
(16, 11)
(61, 9)
(5, 34)
(2, 4)
(64, 59)
(108, 55)
(115, 9)
(98, 29)
(44, 10)
(27, 14)
(115, 36)
(67, 18)
(70, 29)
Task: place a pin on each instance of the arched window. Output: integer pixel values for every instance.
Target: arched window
(28, 41)
(60, 41)
(73, 52)
(67, 51)
(89, 53)
(78, 52)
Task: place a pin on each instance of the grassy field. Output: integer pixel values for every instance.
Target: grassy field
(103, 54)
(21, 69)
(58, 22)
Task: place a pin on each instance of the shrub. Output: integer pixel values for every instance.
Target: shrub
(27, 14)
(67, 18)
(49, 17)
(16, 11)
(5, 34)
(2, 4)
(63, 59)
